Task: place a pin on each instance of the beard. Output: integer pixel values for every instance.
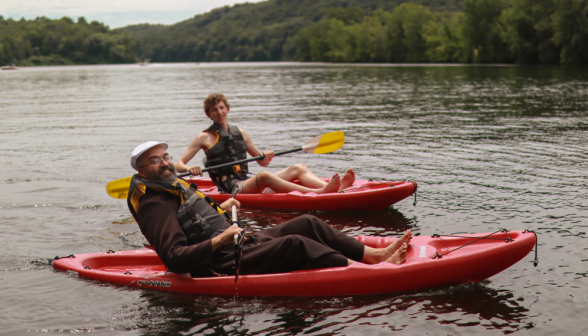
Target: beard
(157, 176)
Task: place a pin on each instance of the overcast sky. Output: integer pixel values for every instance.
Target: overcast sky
(114, 13)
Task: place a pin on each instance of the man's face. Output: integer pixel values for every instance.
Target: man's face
(150, 169)
(218, 113)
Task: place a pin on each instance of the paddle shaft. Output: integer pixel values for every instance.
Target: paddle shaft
(238, 247)
(236, 236)
(243, 161)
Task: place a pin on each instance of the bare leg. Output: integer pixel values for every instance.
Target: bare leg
(309, 179)
(264, 180)
(301, 172)
(347, 179)
(375, 256)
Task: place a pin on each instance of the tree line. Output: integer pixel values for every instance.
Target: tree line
(44, 41)
(249, 32)
(380, 31)
(486, 31)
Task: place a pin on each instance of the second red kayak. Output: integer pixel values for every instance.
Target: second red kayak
(362, 195)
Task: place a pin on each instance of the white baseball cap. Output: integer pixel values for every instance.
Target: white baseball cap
(142, 148)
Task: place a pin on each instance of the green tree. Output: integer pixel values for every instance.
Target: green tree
(444, 36)
(2, 56)
(349, 16)
(570, 23)
(44, 41)
(369, 41)
(529, 32)
(406, 33)
(337, 39)
(482, 31)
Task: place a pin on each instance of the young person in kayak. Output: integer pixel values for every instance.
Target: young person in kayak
(224, 143)
(191, 235)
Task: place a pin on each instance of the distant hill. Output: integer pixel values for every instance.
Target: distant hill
(250, 32)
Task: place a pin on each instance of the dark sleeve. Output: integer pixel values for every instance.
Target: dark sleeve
(157, 217)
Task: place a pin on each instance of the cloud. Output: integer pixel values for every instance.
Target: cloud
(114, 13)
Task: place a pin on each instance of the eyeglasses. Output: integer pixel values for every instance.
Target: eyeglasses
(157, 160)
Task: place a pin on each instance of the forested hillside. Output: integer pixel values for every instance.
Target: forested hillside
(468, 31)
(252, 31)
(51, 42)
(485, 31)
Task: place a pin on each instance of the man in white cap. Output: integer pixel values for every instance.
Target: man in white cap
(192, 236)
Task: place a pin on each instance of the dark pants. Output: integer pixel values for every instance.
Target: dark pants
(302, 243)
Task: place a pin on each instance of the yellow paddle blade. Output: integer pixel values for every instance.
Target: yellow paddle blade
(326, 143)
(119, 188)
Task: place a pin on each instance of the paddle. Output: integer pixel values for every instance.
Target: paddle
(322, 144)
(238, 242)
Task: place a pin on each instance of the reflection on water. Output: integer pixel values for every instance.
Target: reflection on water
(377, 223)
(458, 306)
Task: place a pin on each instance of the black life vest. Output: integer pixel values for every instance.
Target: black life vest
(199, 216)
(229, 147)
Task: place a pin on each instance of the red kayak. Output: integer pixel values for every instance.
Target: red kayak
(432, 262)
(362, 195)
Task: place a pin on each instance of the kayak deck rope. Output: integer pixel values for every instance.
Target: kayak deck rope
(536, 261)
(439, 256)
(507, 240)
(69, 256)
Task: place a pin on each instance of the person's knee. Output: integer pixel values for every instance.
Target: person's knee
(299, 168)
(311, 220)
(265, 177)
(292, 241)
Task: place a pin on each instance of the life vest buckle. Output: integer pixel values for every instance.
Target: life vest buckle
(198, 224)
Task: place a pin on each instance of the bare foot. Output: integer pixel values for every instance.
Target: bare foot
(377, 255)
(332, 186)
(347, 179)
(405, 239)
(391, 249)
(399, 257)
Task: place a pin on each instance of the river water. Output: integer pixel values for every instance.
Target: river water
(490, 146)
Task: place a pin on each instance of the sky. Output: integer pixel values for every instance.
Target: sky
(113, 13)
